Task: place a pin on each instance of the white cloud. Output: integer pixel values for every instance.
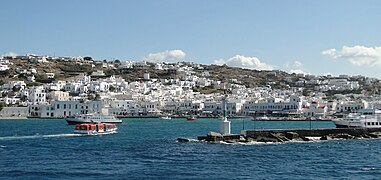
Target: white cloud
(357, 55)
(295, 64)
(171, 55)
(295, 67)
(244, 62)
(298, 71)
(13, 54)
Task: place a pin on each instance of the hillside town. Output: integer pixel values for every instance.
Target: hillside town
(183, 89)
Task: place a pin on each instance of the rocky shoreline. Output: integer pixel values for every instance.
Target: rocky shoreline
(282, 136)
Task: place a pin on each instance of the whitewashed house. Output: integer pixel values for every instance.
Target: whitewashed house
(351, 106)
(316, 110)
(61, 109)
(9, 86)
(10, 100)
(14, 112)
(3, 67)
(273, 105)
(50, 75)
(59, 95)
(37, 95)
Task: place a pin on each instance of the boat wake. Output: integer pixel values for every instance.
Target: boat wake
(39, 136)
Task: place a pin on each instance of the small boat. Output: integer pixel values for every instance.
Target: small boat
(95, 128)
(165, 117)
(365, 118)
(191, 118)
(92, 118)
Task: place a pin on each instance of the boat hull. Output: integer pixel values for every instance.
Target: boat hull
(95, 132)
(346, 126)
(369, 123)
(74, 122)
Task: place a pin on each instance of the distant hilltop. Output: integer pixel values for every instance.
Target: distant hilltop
(37, 70)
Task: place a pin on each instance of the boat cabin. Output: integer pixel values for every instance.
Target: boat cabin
(100, 127)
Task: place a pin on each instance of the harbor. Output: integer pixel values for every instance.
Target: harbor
(366, 123)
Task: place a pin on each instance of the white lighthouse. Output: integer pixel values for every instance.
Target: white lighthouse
(225, 124)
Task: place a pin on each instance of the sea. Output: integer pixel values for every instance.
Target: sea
(147, 149)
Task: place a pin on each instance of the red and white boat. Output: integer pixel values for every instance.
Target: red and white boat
(191, 118)
(95, 128)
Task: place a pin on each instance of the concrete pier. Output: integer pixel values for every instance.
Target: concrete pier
(283, 135)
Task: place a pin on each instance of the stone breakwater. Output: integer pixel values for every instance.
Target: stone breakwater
(279, 136)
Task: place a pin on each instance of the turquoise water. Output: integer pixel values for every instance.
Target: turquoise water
(147, 149)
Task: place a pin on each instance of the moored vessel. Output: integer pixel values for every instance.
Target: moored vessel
(165, 117)
(364, 118)
(93, 118)
(191, 118)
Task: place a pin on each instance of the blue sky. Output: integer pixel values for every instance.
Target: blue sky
(317, 37)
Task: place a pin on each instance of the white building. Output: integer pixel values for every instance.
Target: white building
(346, 107)
(61, 109)
(3, 67)
(273, 105)
(315, 109)
(11, 84)
(14, 112)
(59, 95)
(37, 95)
(10, 100)
(50, 75)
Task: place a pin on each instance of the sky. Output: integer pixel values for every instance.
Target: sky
(314, 37)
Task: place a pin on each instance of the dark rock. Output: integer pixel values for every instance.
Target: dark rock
(375, 134)
(250, 139)
(244, 139)
(279, 136)
(325, 138)
(182, 140)
(304, 138)
(214, 137)
(201, 138)
(214, 134)
(366, 136)
(231, 141)
(343, 136)
(292, 135)
(266, 139)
